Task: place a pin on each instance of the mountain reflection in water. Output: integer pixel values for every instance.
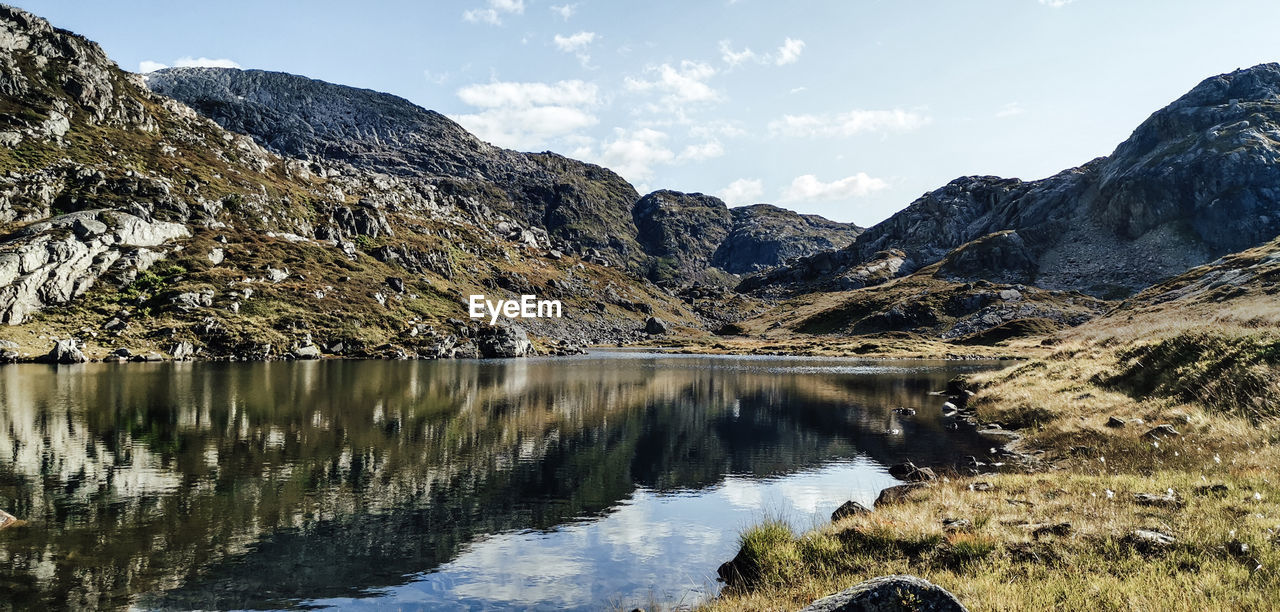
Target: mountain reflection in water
(613, 478)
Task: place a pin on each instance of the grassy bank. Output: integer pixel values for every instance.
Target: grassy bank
(1065, 535)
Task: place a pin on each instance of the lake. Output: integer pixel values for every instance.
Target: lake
(616, 479)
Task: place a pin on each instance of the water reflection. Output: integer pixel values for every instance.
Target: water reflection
(484, 484)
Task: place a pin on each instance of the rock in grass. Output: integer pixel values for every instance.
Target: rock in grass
(1161, 500)
(1162, 431)
(1149, 541)
(890, 594)
(1115, 421)
(848, 509)
(893, 495)
(910, 473)
(951, 525)
(1050, 529)
(1216, 489)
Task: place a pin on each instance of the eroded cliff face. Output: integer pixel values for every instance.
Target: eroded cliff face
(1196, 180)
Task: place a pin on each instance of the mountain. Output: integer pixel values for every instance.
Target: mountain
(261, 215)
(1195, 181)
(584, 209)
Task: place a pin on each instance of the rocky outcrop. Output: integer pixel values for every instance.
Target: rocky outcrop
(503, 341)
(55, 261)
(1195, 181)
(693, 237)
(65, 352)
(889, 594)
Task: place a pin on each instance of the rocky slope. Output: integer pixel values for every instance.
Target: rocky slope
(583, 208)
(269, 215)
(1197, 180)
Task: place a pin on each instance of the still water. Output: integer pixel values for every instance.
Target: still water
(609, 480)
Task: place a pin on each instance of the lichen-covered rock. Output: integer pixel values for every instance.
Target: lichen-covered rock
(890, 594)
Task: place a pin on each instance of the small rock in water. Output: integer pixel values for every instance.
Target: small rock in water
(904, 411)
(8, 520)
(890, 594)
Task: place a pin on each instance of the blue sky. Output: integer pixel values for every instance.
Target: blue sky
(848, 109)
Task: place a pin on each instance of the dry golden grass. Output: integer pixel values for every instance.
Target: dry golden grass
(1207, 365)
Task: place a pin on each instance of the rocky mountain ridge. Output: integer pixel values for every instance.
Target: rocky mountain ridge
(1197, 180)
(584, 209)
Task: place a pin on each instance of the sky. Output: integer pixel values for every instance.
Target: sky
(845, 108)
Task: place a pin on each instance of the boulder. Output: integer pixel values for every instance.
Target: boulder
(655, 326)
(64, 352)
(893, 495)
(848, 509)
(503, 341)
(310, 351)
(890, 594)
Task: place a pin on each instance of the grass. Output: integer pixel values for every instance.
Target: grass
(1206, 361)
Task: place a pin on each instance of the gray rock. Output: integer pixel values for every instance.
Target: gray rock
(890, 594)
(503, 341)
(8, 344)
(310, 351)
(1162, 431)
(956, 524)
(182, 350)
(1115, 421)
(897, 494)
(115, 324)
(8, 520)
(848, 509)
(1161, 500)
(65, 352)
(1149, 541)
(193, 299)
(396, 283)
(911, 473)
(655, 326)
(216, 256)
(277, 275)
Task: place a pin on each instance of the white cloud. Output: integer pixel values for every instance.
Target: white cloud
(506, 93)
(796, 90)
(700, 152)
(634, 153)
(742, 191)
(188, 62)
(733, 58)
(789, 52)
(528, 115)
(1056, 3)
(1010, 109)
(808, 188)
(677, 86)
(565, 11)
(493, 12)
(710, 130)
(576, 44)
(847, 124)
